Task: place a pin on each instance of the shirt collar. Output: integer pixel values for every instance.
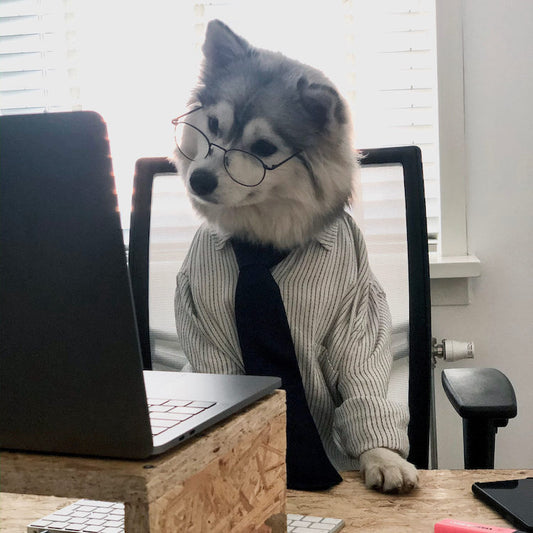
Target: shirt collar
(326, 238)
(220, 238)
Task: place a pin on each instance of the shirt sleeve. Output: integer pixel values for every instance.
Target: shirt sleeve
(199, 345)
(205, 346)
(359, 349)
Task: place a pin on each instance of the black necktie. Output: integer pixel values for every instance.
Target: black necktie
(268, 350)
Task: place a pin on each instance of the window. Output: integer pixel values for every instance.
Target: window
(135, 63)
(38, 56)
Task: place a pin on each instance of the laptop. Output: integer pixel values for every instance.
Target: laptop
(71, 374)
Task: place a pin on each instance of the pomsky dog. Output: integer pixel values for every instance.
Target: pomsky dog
(266, 153)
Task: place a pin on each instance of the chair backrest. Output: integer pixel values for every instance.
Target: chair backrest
(162, 223)
(151, 256)
(397, 244)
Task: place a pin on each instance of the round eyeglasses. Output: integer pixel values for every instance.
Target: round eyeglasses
(242, 167)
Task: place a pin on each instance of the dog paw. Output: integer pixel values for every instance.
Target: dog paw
(386, 471)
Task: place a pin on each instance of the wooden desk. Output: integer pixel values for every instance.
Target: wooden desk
(231, 478)
(442, 494)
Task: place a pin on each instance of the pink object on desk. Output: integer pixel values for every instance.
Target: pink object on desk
(458, 526)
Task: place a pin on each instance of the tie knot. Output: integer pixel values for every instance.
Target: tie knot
(251, 254)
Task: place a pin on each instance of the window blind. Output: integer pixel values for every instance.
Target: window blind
(381, 55)
(395, 101)
(37, 56)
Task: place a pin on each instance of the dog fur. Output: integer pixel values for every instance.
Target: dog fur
(262, 102)
(296, 109)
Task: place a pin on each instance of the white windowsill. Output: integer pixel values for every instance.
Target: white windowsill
(464, 266)
(450, 278)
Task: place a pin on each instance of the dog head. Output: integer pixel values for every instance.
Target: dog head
(265, 150)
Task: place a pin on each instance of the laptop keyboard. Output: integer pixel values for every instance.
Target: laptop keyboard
(166, 414)
(90, 516)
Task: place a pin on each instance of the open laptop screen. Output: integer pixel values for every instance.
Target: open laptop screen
(67, 324)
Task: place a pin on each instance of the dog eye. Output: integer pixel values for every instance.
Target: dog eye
(213, 125)
(263, 148)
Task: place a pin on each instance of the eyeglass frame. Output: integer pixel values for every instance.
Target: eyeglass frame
(176, 121)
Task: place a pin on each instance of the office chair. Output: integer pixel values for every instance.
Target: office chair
(483, 397)
(153, 266)
(398, 253)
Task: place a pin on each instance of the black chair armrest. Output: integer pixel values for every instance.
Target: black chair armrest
(485, 400)
(479, 393)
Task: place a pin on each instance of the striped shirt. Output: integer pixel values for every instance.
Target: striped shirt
(340, 325)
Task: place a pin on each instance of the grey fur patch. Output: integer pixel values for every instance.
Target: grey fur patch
(322, 102)
(295, 97)
(222, 46)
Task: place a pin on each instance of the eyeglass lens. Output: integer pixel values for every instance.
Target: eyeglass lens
(243, 167)
(191, 142)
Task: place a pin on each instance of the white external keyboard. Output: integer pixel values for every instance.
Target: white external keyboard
(297, 523)
(89, 516)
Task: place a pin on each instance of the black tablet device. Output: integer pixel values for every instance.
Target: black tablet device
(513, 499)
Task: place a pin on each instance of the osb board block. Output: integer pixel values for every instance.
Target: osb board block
(118, 480)
(236, 492)
(442, 494)
(64, 476)
(252, 426)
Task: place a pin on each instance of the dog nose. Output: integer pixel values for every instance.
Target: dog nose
(203, 182)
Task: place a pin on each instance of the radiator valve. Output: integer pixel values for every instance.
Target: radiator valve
(450, 350)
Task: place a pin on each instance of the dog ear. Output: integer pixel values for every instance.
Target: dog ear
(321, 102)
(222, 46)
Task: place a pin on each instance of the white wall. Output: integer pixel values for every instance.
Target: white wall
(498, 82)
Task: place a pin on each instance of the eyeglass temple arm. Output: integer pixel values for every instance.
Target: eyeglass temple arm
(274, 167)
(177, 119)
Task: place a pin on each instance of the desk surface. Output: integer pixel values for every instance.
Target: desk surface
(443, 494)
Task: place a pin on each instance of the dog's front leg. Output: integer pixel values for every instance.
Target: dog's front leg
(387, 471)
